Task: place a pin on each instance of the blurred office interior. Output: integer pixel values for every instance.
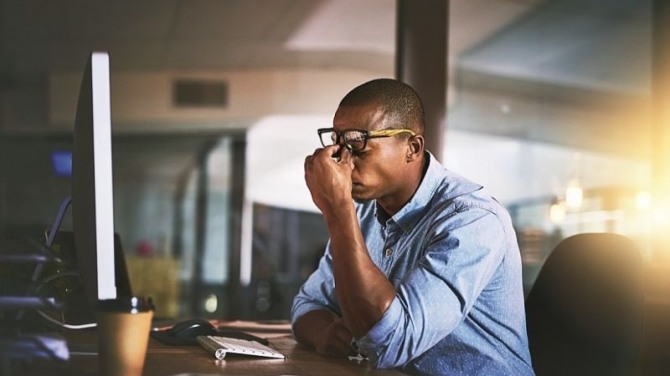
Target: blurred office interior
(215, 103)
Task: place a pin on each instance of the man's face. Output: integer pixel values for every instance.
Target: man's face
(378, 169)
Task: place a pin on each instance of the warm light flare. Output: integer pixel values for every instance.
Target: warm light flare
(660, 211)
(557, 212)
(643, 200)
(661, 216)
(574, 195)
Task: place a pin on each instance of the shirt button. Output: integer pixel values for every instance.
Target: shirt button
(388, 252)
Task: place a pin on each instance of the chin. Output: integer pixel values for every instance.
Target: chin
(359, 200)
(359, 195)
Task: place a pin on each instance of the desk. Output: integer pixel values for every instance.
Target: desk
(193, 360)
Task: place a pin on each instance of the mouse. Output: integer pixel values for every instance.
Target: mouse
(191, 328)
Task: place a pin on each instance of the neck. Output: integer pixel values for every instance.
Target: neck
(392, 204)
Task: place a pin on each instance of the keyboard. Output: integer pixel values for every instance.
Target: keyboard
(221, 346)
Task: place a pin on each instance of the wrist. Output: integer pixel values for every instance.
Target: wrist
(339, 212)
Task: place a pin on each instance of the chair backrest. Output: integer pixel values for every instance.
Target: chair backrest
(585, 311)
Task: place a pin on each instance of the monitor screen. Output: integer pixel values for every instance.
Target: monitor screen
(92, 193)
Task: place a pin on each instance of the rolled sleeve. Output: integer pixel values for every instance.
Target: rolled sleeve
(375, 342)
(318, 292)
(436, 296)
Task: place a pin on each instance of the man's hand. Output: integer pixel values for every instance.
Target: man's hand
(329, 179)
(324, 332)
(335, 340)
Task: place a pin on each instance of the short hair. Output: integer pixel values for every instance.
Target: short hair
(401, 104)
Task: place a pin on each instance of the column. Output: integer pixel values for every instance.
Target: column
(421, 61)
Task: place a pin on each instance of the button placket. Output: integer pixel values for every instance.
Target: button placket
(390, 240)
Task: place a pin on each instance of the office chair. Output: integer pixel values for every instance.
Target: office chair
(585, 311)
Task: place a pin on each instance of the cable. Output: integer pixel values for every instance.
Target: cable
(64, 325)
(47, 317)
(37, 272)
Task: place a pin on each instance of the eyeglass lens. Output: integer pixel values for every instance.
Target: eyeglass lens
(353, 139)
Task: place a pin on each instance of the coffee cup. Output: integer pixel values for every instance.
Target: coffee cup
(123, 335)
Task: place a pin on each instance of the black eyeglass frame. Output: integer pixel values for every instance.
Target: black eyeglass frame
(366, 135)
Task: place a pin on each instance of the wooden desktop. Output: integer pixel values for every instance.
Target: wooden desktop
(164, 359)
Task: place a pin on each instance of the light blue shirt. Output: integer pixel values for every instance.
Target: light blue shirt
(452, 255)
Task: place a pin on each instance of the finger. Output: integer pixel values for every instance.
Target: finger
(343, 343)
(346, 157)
(335, 151)
(332, 150)
(338, 347)
(342, 333)
(310, 157)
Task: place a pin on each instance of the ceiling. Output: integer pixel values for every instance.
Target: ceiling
(597, 44)
(45, 35)
(591, 45)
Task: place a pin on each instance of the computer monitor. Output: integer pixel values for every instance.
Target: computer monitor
(92, 191)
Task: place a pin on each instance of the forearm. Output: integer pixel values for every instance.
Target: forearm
(363, 291)
(324, 332)
(309, 327)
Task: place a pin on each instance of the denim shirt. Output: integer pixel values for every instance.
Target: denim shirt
(452, 255)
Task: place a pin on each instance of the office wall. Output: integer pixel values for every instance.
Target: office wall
(143, 101)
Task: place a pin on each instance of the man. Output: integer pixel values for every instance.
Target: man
(422, 270)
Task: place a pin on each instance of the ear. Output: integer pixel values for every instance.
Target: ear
(415, 145)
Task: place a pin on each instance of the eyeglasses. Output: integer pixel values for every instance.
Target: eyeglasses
(356, 139)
